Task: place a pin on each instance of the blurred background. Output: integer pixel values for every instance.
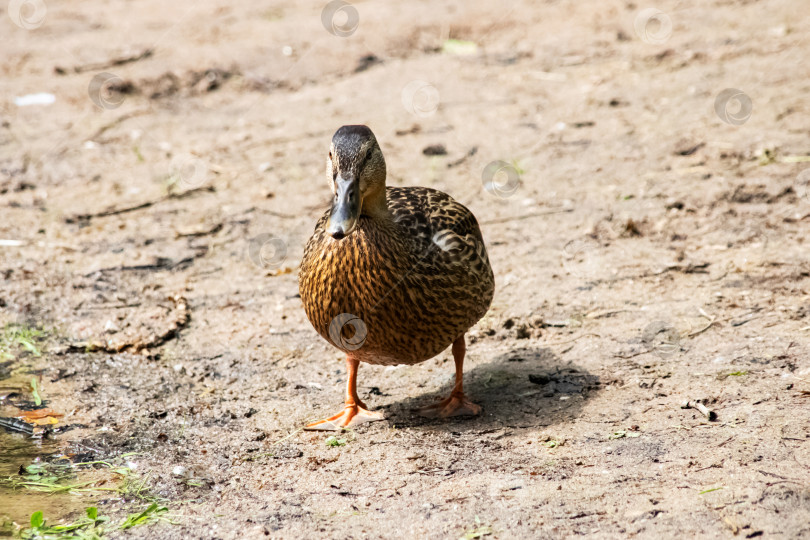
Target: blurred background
(639, 172)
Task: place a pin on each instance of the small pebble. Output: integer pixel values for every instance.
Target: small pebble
(435, 150)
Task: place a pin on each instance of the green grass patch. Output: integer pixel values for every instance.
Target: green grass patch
(92, 526)
(89, 527)
(479, 531)
(63, 476)
(151, 514)
(35, 392)
(624, 435)
(17, 338)
(710, 490)
(54, 477)
(335, 441)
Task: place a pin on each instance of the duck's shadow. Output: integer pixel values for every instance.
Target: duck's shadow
(526, 387)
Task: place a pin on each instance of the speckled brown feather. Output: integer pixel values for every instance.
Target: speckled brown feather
(418, 278)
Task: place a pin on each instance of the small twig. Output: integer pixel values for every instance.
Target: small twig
(608, 313)
(742, 321)
(556, 324)
(695, 333)
(726, 441)
(783, 478)
(162, 264)
(710, 415)
(215, 229)
(120, 61)
(181, 319)
(116, 211)
(123, 118)
(712, 466)
(287, 437)
(554, 343)
(632, 355)
(714, 320)
(464, 158)
(690, 268)
(111, 306)
(779, 476)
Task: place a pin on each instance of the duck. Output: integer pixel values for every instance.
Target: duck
(392, 275)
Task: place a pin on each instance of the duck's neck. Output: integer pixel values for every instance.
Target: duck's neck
(375, 205)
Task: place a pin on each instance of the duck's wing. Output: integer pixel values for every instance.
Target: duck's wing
(443, 231)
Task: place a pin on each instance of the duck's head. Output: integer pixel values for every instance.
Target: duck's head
(356, 170)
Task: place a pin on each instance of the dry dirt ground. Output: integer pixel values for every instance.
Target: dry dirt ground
(647, 233)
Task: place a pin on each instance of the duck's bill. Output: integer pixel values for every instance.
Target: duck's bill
(345, 208)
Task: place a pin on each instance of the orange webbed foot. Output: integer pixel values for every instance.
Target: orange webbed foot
(350, 416)
(455, 405)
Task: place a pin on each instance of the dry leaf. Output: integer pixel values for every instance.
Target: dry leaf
(36, 414)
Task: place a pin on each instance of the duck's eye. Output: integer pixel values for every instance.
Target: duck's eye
(330, 155)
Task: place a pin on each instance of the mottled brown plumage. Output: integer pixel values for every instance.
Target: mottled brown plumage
(411, 265)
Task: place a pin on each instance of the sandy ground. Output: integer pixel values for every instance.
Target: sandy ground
(647, 234)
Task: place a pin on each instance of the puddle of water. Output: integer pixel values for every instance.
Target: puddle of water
(17, 504)
(21, 449)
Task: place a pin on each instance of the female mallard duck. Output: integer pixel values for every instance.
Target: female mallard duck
(392, 275)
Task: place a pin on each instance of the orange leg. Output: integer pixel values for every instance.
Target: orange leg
(457, 404)
(355, 411)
